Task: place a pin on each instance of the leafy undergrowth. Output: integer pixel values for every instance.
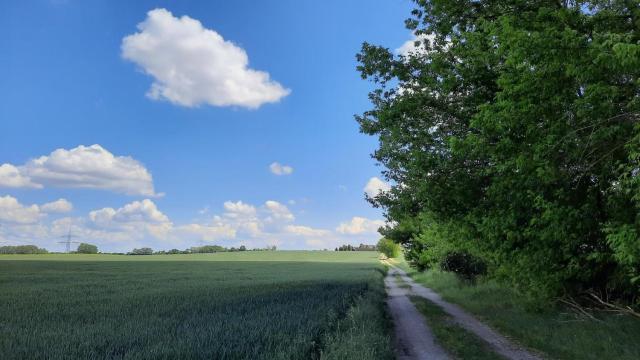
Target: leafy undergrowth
(189, 309)
(454, 338)
(554, 330)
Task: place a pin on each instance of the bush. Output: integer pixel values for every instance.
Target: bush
(464, 265)
(87, 249)
(389, 248)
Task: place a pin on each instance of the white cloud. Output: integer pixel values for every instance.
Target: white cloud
(239, 209)
(10, 176)
(13, 211)
(58, 206)
(360, 225)
(144, 211)
(278, 212)
(206, 232)
(193, 65)
(305, 230)
(375, 186)
(279, 169)
(142, 223)
(91, 167)
(409, 47)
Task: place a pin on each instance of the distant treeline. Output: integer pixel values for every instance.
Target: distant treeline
(361, 247)
(22, 249)
(205, 249)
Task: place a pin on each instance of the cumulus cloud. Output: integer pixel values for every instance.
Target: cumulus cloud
(91, 167)
(305, 230)
(142, 223)
(278, 211)
(192, 65)
(360, 225)
(142, 217)
(13, 211)
(279, 169)
(239, 209)
(375, 186)
(206, 232)
(58, 206)
(10, 176)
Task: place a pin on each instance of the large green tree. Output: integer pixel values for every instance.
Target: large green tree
(85, 248)
(511, 132)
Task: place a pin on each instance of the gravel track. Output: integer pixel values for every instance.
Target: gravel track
(497, 342)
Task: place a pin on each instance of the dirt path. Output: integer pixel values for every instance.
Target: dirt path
(413, 339)
(498, 343)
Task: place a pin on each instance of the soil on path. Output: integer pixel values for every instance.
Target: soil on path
(497, 342)
(413, 338)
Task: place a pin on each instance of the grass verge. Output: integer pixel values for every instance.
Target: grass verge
(554, 331)
(455, 339)
(365, 332)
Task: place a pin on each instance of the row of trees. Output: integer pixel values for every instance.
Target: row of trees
(205, 249)
(83, 248)
(361, 247)
(511, 137)
(22, 249)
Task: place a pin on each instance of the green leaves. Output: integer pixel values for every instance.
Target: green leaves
(518, 125)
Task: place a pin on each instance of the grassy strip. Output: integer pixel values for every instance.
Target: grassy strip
(554, 330)
(454, 338)
(365, 332)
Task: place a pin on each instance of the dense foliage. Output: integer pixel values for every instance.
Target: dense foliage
(142, 251)
(22, 249)
(511, 133)
(247, 305)
(361, 247)
(388, 247)
(85, 248)
(463, 264)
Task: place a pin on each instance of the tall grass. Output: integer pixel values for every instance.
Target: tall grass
(178, 309)
(364, 333)
(553, 330)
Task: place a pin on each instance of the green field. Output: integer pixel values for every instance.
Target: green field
(253, 305)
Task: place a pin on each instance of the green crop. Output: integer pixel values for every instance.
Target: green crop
(218, 307)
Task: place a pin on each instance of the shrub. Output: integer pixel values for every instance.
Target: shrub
(464, 265)
(389, 248)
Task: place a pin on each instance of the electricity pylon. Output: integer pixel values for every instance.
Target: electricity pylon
(68, 241)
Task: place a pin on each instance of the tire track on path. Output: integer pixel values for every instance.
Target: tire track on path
(496, 341)
(413, 338)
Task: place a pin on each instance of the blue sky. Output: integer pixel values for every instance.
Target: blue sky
(209, 134)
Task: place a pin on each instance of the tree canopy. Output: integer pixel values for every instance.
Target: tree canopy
(510, 132)
(84, 248)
